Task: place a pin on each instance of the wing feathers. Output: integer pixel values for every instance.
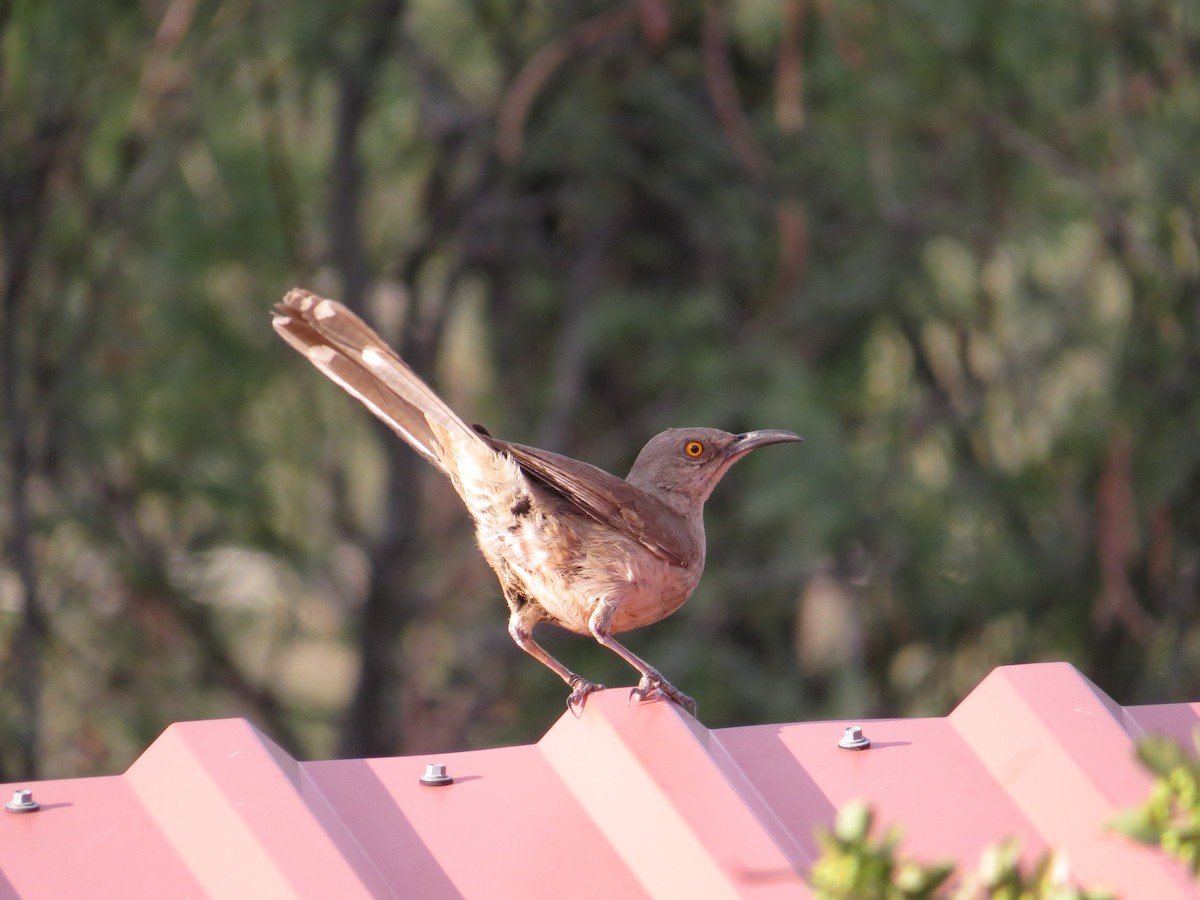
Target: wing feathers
(345, 348)
(610, 500)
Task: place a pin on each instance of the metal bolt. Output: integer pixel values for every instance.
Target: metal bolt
(853, 739)
(22, 802)
(435, 775)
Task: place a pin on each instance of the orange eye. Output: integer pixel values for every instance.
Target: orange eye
(693, 449)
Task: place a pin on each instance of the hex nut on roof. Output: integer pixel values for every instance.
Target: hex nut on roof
(435, 775)
(854, 739)
(22, 802)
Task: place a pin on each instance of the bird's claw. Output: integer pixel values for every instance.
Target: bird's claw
(580, 688)
(654, 683)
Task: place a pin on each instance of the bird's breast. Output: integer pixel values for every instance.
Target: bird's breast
(566, 564)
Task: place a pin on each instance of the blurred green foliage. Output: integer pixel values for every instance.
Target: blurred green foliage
(854, 865)
(1170, 817)
(954, 245)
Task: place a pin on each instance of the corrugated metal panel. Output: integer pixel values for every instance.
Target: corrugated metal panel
(626, 801)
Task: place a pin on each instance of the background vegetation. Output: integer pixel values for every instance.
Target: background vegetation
(954, 244)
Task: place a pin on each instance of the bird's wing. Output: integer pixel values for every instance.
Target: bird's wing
(345, 348)
(609, 500)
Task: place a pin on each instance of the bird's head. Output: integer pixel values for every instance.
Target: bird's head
(681, 466)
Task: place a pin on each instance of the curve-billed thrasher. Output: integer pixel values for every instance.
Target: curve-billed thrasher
(570, 543)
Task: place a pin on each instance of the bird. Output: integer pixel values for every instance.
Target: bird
(571, 544)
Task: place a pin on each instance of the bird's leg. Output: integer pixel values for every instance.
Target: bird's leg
(522, 635)
(600, 624)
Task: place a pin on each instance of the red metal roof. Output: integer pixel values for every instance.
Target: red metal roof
(626, 801)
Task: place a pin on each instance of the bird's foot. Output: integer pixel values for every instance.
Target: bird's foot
(653, 682)
(580, 688)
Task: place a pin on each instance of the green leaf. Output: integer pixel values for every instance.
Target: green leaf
(1161, 754)
(1134, 824)
(854, 822)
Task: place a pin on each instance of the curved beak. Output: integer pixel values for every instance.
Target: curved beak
(752, 440)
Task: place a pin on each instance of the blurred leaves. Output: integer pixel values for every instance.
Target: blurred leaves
(955, 246)
(855, 865)
(1170, 817)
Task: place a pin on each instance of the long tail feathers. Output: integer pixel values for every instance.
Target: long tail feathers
(345, 348)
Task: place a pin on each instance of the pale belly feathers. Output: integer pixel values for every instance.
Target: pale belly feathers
(643, 588)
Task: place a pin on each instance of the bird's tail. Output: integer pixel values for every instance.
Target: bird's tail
(345, 348)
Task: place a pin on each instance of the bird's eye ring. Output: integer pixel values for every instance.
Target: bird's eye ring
(694, 449)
